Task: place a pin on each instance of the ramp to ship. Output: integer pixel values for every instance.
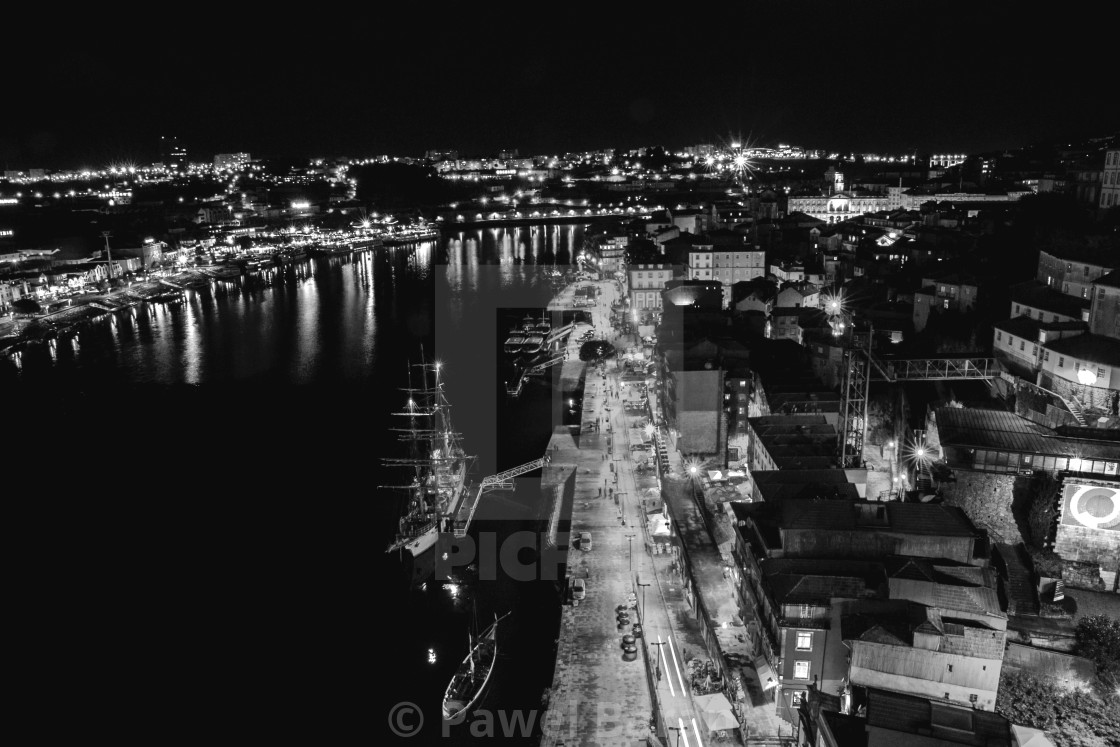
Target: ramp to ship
(501, 481)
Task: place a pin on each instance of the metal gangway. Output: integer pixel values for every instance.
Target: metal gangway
(541, 367)
(500, 481)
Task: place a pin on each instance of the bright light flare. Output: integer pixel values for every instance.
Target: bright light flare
(917, 453)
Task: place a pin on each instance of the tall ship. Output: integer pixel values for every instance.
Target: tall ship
(435, 469)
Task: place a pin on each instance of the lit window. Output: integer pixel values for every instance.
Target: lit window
(801, 670)
(804, 641)
(805, 610)
(797, 696)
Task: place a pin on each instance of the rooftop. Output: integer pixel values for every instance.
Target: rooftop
(910, 714)
(802, 484)
(1088, 347)
(1041, 296)
(1028, 328)
(840, 515)
(1095, 251)
(996, 429)
(1112, 280)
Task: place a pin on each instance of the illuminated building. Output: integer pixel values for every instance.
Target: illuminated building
(231, 161)
(172, 152)
(1110, 180)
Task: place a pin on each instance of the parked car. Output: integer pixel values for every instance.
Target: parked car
(585, 541)
(579, 588)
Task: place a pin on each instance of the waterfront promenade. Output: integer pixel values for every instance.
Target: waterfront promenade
(598, 697)
(689, 610)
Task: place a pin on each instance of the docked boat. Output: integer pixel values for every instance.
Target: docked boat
(544, 326)
(514, 342)
(533, 343)
(468, 684)
(438, 468)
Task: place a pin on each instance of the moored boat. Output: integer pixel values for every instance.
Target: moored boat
(533, 343)
(439, 470)
(514, 342)
(468, 684)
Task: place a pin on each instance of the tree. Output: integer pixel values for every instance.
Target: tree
(26, 306)
(1098, 639)
(1042, 506)
(1070, 719)
(595, 350)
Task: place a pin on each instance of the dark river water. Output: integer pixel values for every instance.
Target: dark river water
(193, 491)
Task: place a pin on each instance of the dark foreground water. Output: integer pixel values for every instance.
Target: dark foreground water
(196, 531)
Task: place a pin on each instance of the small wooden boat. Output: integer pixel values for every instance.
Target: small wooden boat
(470, 681)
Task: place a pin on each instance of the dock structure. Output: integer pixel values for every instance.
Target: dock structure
(464, 513)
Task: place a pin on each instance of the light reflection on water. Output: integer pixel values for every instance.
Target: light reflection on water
(322, 320)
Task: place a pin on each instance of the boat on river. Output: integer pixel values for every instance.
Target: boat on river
(438, 469)
(468, 684)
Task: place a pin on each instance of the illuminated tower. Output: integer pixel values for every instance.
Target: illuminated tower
(173, 153)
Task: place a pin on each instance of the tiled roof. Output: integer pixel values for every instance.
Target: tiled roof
(1088, 347)
(910, 714)
(929, 518)
(1112, 279)
(1041, 296)
(995, 429)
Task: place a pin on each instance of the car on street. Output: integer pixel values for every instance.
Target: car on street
(585, 541)
(579, 588)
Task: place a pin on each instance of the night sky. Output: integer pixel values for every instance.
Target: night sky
(860, 77)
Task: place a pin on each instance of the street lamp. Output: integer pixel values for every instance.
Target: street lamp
(659, 644)
(630, 542)
(678, 730)
(643, 601)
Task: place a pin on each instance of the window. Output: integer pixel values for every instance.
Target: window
(999, 336)
(1046, 355)
(801, 670)
(1035, 351)
(797, 696)
(805, 610)
(1061, 361)
(972, 698)
(1017, 309)
(1022, 344)
(804, 641)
